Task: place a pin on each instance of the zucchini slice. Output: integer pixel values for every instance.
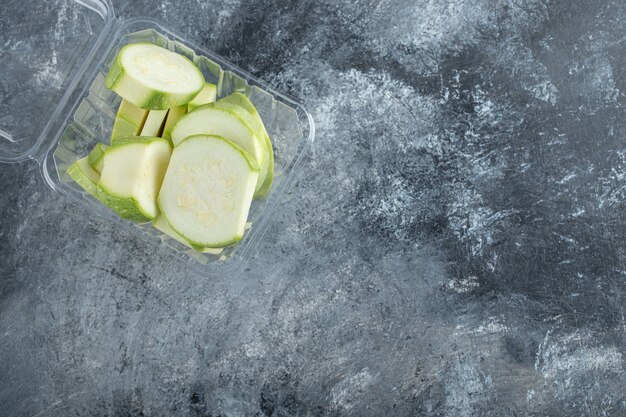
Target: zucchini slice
(154, 123)
(229, 121)
(173, 116)
(85, 176)
(96, 157)
(133, 172)
(129, 121)
(206, 96)
(241, 100)
(154, 78)
(207, 191)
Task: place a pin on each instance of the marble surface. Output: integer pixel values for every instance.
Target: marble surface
(453, 247)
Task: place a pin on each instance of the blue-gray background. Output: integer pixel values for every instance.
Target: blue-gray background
(454, 246)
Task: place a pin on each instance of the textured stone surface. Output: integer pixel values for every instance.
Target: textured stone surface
(454, 247)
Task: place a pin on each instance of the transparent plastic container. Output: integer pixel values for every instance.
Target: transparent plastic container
(55, 113)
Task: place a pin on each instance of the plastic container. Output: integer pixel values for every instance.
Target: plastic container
(55, 113)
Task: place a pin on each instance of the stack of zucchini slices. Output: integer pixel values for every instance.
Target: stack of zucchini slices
(178, 158)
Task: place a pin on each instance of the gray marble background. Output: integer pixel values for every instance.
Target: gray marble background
(453, 247)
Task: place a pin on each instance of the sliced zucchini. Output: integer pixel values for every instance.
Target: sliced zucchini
(154, 78)
(206, 96)
(207, 190)
(133, 172)
(154, 123)
(229, 121)
(85, 176)
(240, 99)
(96, 157)
(162, 224)
(128, 122)
(173, 116)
